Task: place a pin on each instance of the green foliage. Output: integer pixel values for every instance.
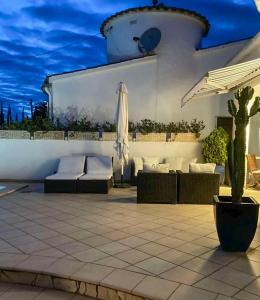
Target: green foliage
(237, 147)
(196, 126)
(215, 146)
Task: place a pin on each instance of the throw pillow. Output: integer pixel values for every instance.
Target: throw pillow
(175, 163)
(186, 163)
(151, 160)
(139, 165)
(159, 168)
(202, 168)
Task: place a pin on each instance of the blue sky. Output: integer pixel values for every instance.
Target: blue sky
(42, 37)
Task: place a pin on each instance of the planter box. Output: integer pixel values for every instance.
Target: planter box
(83, 136)
(108, 136)
(15, 134)
(184, 137)
(151, 137)
(49, 135)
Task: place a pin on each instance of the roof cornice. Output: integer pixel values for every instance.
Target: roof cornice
(158, 8)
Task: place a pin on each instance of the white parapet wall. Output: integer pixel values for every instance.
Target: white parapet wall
(36, 159)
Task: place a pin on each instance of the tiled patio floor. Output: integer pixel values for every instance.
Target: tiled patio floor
(156, 251)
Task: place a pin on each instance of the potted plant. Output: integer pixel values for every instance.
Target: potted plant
(215, 150)
(236, 216)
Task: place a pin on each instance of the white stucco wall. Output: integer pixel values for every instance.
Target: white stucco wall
(37, 159)
(179, 33)
(254, 133)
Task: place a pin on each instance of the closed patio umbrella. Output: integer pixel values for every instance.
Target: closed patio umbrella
(122, 146)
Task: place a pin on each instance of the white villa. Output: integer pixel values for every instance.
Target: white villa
(160, 81)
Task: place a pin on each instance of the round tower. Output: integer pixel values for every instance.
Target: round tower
(134, 32)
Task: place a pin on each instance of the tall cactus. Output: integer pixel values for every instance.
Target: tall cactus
(237, 147)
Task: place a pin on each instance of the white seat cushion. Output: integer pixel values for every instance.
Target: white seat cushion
(175, 163)
(64, 176)
(202, 168)
(99, 165)
(100, 176)
(72, 164)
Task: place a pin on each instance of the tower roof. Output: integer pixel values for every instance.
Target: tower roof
(158, 8)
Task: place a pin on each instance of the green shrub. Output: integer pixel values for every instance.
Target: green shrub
(215, 146)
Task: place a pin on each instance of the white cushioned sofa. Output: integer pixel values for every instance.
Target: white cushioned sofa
(98, 177)
(70, 168)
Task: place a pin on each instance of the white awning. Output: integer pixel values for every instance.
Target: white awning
(224, 80)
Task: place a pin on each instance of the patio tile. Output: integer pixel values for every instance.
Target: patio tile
(124, 280)
(216, 286)
(150, 235)
(36, 263)
(170, 242)
(92, 273)
(253, 255)
(65, 267)
(166, 230)
(32, 247)
(185, 292)
(58, 240)
(182, 275)
(220, 257)
(233, 277)
(222, 297)
(138, 270)
(80, 234)
(246, 266)
(254, 287)
(207, 242)
(11, 260)
(95, 241)
(186, 236)
(155, 288)
(201, 266)
(113, 248)
(193, 249)
(90, 255)
(112, 262)
(116, 235)
(50, 252)
(175, 256)
(132, 256)
(155, 265)
(72, 247)
(153, 248)
(133, 241)
(243, 295)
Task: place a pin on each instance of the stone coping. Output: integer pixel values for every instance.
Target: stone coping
(86, 279)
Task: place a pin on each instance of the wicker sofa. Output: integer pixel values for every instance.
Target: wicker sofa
(198, 188)
(157, 187)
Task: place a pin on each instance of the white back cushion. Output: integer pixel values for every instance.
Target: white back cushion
(202, 168)
(72, 164)
(159, 168)
(139, 165)
(151, 160)
(186, 164)
(174, 162)
(99, 165)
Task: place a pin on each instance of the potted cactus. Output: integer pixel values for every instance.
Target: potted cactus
(236, 216)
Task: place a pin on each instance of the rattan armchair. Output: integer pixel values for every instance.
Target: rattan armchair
(198, 188)
(157, 187)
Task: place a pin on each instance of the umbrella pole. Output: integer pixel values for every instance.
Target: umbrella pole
(122, 173)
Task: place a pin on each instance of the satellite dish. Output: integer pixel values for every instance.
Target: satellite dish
(149, 40)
